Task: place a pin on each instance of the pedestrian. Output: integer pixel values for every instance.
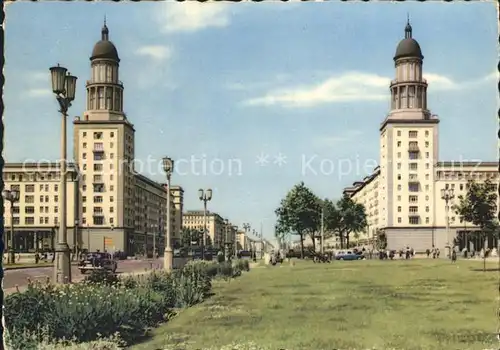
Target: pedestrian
(437, 252)
(428, 252)
(453, 256)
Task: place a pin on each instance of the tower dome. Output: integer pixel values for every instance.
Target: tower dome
(408, 47)
(105, 48)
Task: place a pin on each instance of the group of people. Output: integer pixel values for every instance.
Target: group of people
(434, 251)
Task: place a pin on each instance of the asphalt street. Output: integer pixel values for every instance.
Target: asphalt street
(20, 277)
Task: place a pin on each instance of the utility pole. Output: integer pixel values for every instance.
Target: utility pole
(322, 231)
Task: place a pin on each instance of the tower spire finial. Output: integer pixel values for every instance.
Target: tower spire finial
(408, 28)
(105, 31)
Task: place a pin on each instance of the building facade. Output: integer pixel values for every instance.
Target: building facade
(216, 226)
(114, 207)
(402, 196)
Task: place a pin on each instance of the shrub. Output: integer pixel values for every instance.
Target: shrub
(74, 313)
(243, 264)
(101, 277)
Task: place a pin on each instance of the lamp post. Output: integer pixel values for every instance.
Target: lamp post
(447, 195)
(246, 227)
(76, 239)
(168, 167)
(63, 86)
(205, 196)
(12, 196)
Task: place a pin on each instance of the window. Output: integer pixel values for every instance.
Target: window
(111, 155)
(399, 132)
(84, 166)
(426, 132)
(399, 209)
(111, 144)
(461, 187)
(111, 134)
(111, 209)
(97, 135)
(109, 94)
(426, 198)
(47, 188)
(446, 186)
(411, 96)
(427, 176)
(84, 187)
(41, 220)
(29, 220)
(41, 187)
(426, 209)
(426, 154)
(46, 220)
(29, 188)
(413, 209)
(399, 166)
(399, 187)
(399, 198)
(41, 199)
(427, 220)
(399, 144)
(84, 209)
(84, 134)
(97, 167)
(427, 165)
(41, 209)
(111, 177)
(413, 166)
(111, 187)
(84, 199)
(399, 154)
(413, 155)
(84, 155)
(56, 198)
(98, 220)
(111, 220)
(427, 187)
(29, 210)
(399, 220)
(399, 176)
(111, 199)
(56, 188)
(84, 145)
(56, 209)
(97, 199)
(414, 220)
(413, 187)
(56, 220)
(426, 143)
(412, 133)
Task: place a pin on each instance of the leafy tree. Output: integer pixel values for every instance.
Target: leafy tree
(188, 235)
(298, 213)
(344, 218)
(479, 206)
(381, 240)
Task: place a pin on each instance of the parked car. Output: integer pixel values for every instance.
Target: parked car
(349, 255)
(97, 261)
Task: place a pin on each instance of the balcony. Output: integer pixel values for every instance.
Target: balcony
(413, 179)
(414, 214)
(98, 214)
(413, 147)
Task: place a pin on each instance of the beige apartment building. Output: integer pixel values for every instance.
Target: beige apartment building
(402, 196)
(217, 229)
(114, 207)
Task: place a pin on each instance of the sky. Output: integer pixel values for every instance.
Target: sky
(252, 98)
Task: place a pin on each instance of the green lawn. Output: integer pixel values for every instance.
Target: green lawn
(418, 304)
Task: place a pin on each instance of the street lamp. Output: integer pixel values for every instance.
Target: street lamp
(63, 86)
(12, 196)
(76, 239)
(447, 195)
(168, 167)
(205, 196)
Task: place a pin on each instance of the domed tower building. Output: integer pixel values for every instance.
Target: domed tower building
(103, 149)
(408, 150)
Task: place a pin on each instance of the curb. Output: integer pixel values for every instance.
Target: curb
(20, 267)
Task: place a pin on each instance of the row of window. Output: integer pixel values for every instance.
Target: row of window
(98, 199)
(99, 135)
(413, 133)
(31, 199)
(39, 176)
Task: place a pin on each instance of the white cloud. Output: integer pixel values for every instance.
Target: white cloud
(351, 87)
(329, 141)
(190, 16)
(39, 92)
(156, 52)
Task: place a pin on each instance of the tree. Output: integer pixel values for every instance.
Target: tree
(188, 235)
(381, 240)
(344, 218)
(479, 206)
(298, 213)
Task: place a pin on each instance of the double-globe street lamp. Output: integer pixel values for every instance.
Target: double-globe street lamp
(447, 194)
(168, 167)
(63, 86)
(246, 228)
(13, 197)
(205, 196)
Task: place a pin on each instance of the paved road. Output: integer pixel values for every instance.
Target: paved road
(20, 277)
